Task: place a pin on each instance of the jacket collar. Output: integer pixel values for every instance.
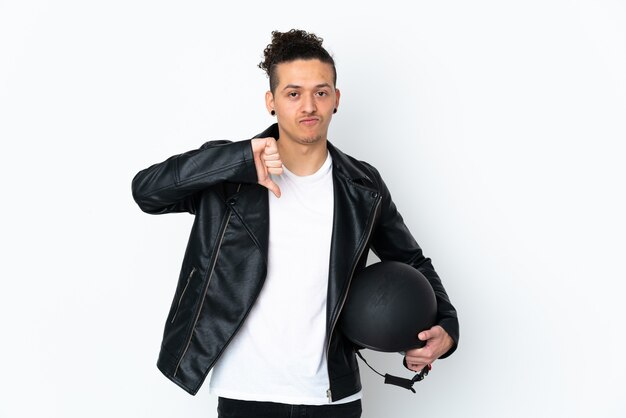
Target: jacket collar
(341, 162)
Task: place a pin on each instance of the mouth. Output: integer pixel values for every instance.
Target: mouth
(309, 121)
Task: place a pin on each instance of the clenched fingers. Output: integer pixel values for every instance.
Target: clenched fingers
(267, 161)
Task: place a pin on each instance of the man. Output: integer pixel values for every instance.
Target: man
(282, 223)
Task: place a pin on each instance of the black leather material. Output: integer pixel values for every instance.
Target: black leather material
(225, 263)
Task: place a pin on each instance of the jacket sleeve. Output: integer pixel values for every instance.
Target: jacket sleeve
(173, 185)
(392, 240)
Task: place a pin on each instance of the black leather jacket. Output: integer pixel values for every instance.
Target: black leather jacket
(225, 263)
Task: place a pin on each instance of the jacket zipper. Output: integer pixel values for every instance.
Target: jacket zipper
(236, 330)
(206, 288)
(193, 270)
(329, 393)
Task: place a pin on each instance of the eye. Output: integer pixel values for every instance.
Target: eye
(293, 94)
(322, 93)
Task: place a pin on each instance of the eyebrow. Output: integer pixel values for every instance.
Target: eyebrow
(295, 86)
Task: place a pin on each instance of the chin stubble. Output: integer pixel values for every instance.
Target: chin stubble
(310, 140)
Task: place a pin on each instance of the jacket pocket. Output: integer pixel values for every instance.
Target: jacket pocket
(182, 295)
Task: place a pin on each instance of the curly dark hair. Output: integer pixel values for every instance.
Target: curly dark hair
(290, 46)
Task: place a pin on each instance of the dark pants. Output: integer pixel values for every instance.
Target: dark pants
(232, 408)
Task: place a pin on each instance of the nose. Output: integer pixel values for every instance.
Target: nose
(308, 104)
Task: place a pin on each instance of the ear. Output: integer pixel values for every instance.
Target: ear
(337, 96)
(269, 101)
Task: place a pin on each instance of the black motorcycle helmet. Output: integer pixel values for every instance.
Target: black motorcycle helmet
(388, 304)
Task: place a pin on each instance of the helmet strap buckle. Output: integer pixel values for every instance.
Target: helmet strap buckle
(399, 381)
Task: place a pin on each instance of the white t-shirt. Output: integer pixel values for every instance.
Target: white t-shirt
(279, 354)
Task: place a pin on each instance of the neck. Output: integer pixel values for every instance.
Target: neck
(302, 159)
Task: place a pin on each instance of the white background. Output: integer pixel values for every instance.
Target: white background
(498, 126)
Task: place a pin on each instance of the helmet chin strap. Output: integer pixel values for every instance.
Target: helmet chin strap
(400, 381)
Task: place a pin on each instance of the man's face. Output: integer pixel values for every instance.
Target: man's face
(304, 100)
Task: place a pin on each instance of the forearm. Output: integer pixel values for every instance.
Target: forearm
(169, 186)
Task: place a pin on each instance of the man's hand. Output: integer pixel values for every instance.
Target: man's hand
(438, 342)
(267, 161)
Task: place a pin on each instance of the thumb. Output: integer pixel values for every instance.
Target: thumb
(273, 187)
(424, 335)
(433, 332)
